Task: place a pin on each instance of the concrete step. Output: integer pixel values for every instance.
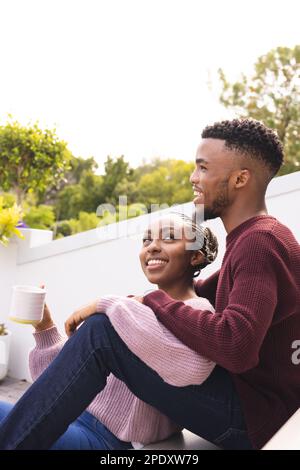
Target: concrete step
(185, 440)
(288, 436)
(12, 389)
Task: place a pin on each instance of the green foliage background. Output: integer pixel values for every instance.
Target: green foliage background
(271, 94)
(61, 192)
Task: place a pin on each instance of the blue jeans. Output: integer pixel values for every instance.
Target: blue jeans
(212, 410)
(85, 433)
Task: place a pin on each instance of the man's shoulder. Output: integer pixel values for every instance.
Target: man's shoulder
(266, 242)
(268, 232)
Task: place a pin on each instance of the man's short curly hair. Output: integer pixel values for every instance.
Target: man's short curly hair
(250, 138)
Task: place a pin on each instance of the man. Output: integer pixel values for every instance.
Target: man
(256, 387)
(257, 298)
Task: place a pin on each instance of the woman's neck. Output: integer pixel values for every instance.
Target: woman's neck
(179, 292)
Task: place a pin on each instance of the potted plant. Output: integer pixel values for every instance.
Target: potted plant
(5, 338)
(9, 219)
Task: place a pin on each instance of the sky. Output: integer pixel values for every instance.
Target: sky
(130, 77)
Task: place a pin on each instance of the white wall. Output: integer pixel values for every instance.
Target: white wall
(82, 267)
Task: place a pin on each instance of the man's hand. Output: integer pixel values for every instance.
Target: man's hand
(79, 316)
(138, 299)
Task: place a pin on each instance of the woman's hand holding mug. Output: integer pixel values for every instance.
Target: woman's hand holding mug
(46, 321)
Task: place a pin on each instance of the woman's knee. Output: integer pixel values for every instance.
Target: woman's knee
(5, 408)
(102, 333)
(98, 320)
(97, 325)
(98, 332)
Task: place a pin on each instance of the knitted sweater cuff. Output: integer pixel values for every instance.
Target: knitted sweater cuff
(47, 338)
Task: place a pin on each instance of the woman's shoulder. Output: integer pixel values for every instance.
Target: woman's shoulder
(200, 303)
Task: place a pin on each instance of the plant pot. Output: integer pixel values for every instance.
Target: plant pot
(4, 353)
(34, 237)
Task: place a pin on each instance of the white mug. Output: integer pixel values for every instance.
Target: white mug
(27, 304)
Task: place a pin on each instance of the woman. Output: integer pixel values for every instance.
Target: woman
(117, 419)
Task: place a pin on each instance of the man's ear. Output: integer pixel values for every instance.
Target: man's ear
(197, 258)
(242, 177)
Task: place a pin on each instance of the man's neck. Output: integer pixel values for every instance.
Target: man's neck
(236, 216)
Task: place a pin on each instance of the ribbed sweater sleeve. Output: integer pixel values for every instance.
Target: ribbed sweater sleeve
(48, 344)
(231, 337)
(157, 347)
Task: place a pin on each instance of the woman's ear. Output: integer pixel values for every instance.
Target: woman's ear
(197, 258)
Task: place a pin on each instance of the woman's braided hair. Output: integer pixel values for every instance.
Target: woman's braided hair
(210, 247)
(206, 240)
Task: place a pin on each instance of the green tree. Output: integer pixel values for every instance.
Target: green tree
(78, 166)
(117, 174)
(8, 199)
(92, 189)
(62, 229)
(30, 158)
(41, 217)
(84, 196)
(166, 184)
(272, 95)
(69, 202)
(85, 221)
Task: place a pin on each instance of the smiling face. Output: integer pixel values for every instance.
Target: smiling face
(164, 256)
(215, 166)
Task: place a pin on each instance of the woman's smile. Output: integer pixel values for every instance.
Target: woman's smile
(154, 264)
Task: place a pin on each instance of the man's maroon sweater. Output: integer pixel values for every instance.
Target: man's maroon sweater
(257, 300)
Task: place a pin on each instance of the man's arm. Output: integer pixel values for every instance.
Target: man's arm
(232, 338)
